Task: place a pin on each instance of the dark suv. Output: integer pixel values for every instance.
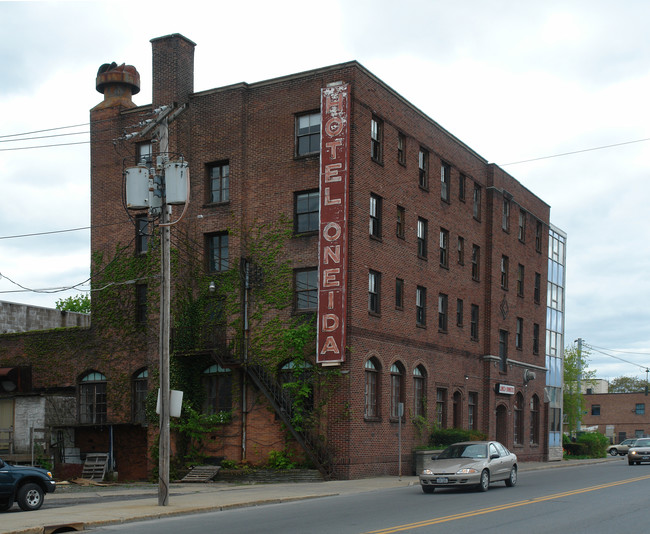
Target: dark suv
(25, 485)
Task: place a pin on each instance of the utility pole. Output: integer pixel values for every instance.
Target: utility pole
(159, 197)
(579, 392)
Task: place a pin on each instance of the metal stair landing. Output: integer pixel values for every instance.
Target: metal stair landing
(201, 473)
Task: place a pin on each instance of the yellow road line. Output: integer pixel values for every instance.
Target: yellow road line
(474, 513)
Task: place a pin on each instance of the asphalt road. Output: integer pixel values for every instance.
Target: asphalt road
(607, 497)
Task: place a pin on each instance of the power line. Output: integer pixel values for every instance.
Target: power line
(643, 367)
(574, 152)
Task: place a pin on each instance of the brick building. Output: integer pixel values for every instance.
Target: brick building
(422, 265)
(617, 415)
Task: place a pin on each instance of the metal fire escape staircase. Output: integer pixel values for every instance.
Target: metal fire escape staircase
(282, 402)
(283, 406)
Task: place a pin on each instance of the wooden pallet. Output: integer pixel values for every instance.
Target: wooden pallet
(201, 473)
(95, 466)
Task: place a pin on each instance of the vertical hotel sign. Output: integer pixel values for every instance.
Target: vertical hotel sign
(333, 237)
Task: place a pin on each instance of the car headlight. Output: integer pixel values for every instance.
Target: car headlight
(49, 474)
(427, 472)
(466, 471)
(632, 452)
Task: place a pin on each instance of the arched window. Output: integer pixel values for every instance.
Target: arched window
(534, 420)
(372, 389)
(296, 374)
(217, 386)
(419, 391)
(518, 424)
(457, 407)
(140, 387)
(92, 398)
(396, 389)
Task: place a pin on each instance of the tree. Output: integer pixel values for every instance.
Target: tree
(627, 384)
(575, 375)
(80, 303)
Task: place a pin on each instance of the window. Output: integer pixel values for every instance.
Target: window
(472, 406)
(504, 272)
(639, 409)
(522, 226)
(473, 327)
(306, 217)
(461, 187)
(219, 176)
(371, 410)
(503, 350)
(518, 424)
(442, 312)
(217, 252)
(538, 284)
(306, 290)
(534, 420)
(401, 221)
(396, 389)
(375, 216)
(308, 134)
(141, 234)
(459, 312)
(376, 136)
(92, 399)
(444, 248)
(217, 388)
(505, 218)
(535, 338)
(445, 181)
(477, 202)
(140, 386)
(423, 166)
(401, 148)
(441, 407)
(399, 293)
(374, 286)
(595, 409)
(520, 280)
(141, 304)
(538, 236)
(421, 306)
(143, 154)
(461, 251)
(476, 259)
(419, 392)
(422, 238)
(519, 334)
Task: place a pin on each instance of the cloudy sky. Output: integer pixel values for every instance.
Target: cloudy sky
(556, 92)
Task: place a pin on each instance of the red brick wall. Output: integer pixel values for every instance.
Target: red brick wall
(617, 410)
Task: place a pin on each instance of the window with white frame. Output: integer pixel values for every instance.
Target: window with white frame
(308, 134)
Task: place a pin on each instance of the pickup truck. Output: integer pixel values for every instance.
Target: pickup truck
(25, 485)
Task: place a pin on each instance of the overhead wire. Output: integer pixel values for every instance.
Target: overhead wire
(602, 351)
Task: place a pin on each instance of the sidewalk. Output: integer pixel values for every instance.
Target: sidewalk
(124, 503)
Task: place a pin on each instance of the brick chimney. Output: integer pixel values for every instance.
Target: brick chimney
(173, 69)
(118, 84)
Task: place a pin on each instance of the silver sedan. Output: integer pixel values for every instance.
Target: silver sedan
(470, 463)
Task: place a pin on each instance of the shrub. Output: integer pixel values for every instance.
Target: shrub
(444, 437)
(595, 444)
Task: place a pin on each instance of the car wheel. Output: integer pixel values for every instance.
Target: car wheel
(30, 497)
(484, 484)
(4, 506)
(428, 489)
(613, 452)
(512, 479)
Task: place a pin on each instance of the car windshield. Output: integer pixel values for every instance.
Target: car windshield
(642, 443)
(464, 451)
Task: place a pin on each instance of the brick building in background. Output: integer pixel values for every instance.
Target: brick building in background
(425, 274)
(617, 415)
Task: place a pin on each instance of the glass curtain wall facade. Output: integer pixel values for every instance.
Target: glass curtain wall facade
(555, 337)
